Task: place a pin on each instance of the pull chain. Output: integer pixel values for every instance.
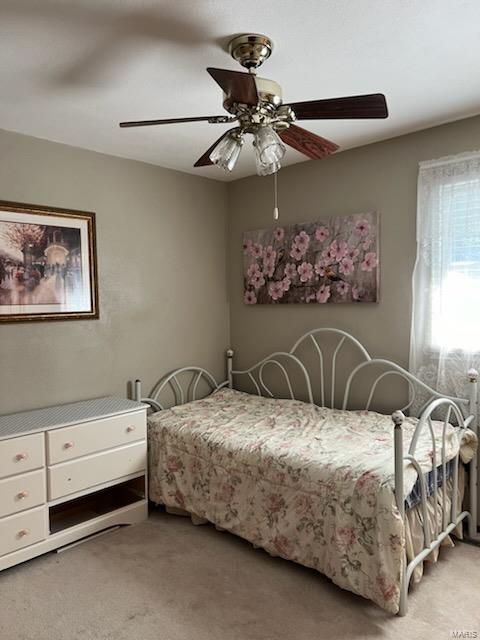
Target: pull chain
(275, 196)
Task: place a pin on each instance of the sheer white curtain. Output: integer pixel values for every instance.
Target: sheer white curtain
(445, 338)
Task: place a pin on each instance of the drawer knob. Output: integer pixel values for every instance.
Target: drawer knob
(130, 428)
(23, 532)
(21, 456)
(69, 445)
(23, 494)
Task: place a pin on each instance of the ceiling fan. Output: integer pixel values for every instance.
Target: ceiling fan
(257, 107)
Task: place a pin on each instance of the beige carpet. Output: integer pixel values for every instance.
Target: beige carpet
(168, 580)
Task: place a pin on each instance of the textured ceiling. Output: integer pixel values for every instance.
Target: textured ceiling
(70, 70)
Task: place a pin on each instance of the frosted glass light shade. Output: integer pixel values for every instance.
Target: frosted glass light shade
(226, 153)
(266, 169)
(268, 145)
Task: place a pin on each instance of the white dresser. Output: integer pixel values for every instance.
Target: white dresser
(68, 472)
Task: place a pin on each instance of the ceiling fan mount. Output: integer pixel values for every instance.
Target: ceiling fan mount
(250, 49)
(256, 106)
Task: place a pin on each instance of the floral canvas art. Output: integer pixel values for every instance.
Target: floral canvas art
(331, 260)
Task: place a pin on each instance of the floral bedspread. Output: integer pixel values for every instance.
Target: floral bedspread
(309, 484)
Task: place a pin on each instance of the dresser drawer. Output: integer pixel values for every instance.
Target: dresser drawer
(69, 477)
(22, 529)
(18, 455)
(82, 439)
(22, 492)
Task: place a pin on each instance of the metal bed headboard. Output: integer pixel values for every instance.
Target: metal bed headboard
(322, 383)
(328, 369)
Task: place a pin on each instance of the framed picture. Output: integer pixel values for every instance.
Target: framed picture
(48, 267)
(333, 260)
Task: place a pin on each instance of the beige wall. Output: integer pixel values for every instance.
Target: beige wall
(161, 261)
(380, 177)
(161, 264)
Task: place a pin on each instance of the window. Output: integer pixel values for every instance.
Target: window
(445, 337)
(455, 268)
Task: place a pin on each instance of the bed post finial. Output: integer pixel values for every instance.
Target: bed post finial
(472, 375)
(398, 418)
(137, 390)
(230, 368)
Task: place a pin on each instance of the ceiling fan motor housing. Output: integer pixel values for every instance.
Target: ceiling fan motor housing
(269, 94)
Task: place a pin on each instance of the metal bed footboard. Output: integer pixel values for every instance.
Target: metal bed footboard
(450, 518)
(323, 393)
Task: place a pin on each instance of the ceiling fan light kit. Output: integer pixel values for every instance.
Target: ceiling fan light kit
(256, 105)
(268, 145)
(226, 153)
(266, 169)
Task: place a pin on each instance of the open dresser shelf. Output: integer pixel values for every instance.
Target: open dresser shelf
(99, 503)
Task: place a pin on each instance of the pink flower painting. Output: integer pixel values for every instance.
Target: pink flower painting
(257, 250)
(279, 234)
(302, 240)
(297, 252)
(269, 268)
(276, 290)
(346, 266)
(333, 260)
(257, 280)
(253, 269)
(247, 246)
(362, 228)
(269, 254)
(290, 271)
(305, 271)
(321, 233)
(369, 262)
(323, 294)
(342, 288)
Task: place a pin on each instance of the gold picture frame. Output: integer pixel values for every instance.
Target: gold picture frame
(48, 263)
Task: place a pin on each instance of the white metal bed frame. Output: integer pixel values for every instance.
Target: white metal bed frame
(464, 410)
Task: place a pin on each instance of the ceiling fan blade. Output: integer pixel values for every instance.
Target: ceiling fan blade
(238, 86)
(204, 160)
(147, 123)
(373, 105)
(308, 143)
